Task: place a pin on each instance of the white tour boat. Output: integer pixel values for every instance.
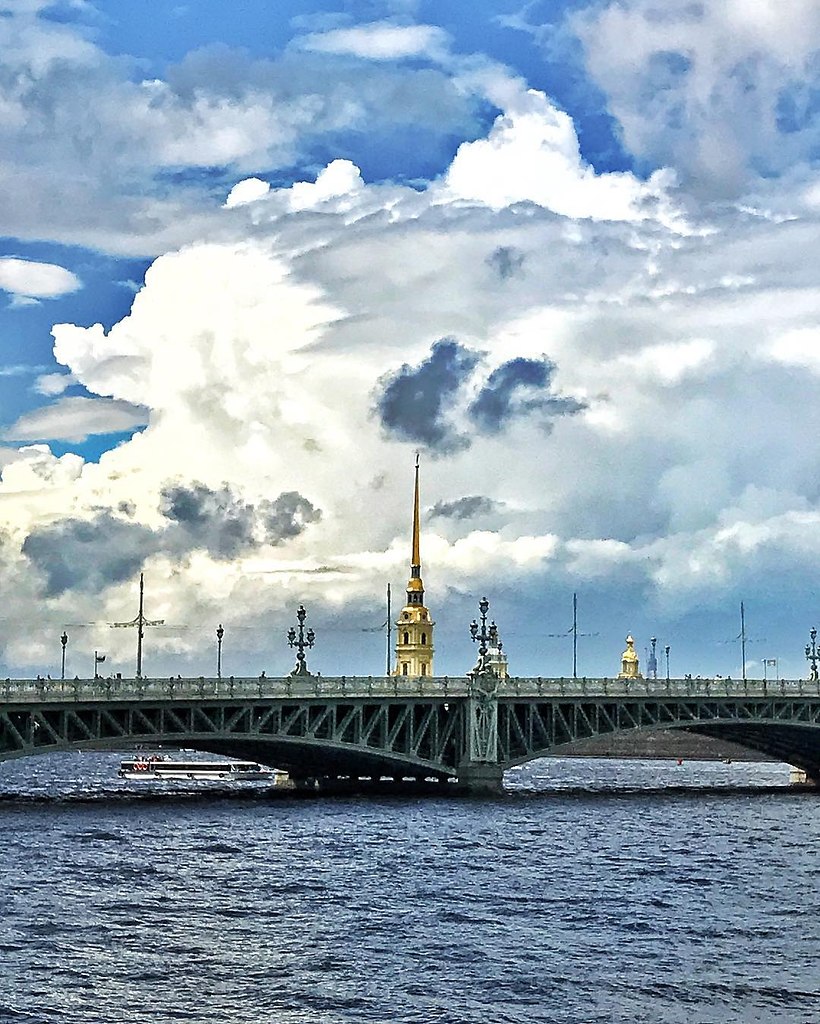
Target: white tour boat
(157, 766)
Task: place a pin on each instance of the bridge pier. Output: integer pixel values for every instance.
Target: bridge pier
(479, 772)
(479, 778)
(303, 783)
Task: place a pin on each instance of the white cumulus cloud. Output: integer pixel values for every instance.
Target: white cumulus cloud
(798, 347)
(532, 155)
(247, 191)
(339, 178)
(721, 91)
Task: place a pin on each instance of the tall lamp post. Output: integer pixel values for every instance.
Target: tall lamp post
(813, 654)
(482, 635)
(64, 643)
(300, 640)
(666, 652)
(653, 661)
(220, 632)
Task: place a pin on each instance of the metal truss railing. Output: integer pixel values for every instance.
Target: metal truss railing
(421, 723)
(529, 728)
(420, 734)
(117, 689)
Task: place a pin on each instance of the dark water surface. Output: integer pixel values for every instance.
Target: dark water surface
(591, 892)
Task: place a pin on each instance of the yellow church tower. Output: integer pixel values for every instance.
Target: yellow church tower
(414, 628)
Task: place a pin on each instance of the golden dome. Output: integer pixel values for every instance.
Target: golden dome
(630, 668)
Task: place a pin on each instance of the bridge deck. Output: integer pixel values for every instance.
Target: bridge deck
(395, 725)
(24, 691)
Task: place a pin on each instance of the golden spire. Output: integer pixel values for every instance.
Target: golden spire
(414, 628)
(416, 560)
(415, 587)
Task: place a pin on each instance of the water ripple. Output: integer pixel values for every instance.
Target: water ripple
(591, 894)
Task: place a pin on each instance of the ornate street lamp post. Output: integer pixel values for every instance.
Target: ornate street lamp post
(220, 632)
(813, 654)
(483, 636)
(300, 640)
(666, 652)
(64, 642)
(653, 661)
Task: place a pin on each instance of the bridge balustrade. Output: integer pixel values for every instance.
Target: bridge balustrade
(203, 688)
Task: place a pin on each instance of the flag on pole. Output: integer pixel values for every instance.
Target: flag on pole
(98, 658)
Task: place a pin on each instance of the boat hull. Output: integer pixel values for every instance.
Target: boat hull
(154, 769)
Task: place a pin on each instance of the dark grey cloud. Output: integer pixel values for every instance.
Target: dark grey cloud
(91, 554)
(88, 554)
(506, 261)
(217, 521)
(519, 387)
(414, 401)
(464, 508)
(225, 525)
(287, 515)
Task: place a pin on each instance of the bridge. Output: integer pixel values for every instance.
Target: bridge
(462, 730)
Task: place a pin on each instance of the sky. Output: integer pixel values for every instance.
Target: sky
(255, 256)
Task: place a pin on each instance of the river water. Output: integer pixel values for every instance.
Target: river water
(611, 892)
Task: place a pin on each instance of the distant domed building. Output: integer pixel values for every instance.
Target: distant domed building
(630, 666)
(497, 658)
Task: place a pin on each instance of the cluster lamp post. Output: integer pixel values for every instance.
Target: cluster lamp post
(482, 635)
(813, 654)
(64, 643)
(300, 640)
(666, 652)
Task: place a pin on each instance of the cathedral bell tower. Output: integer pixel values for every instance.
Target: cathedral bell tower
(414, 628)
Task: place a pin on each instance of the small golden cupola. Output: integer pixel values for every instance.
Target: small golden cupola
(630, 667)
(414, 628)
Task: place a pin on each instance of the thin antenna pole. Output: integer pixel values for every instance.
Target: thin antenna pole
(574, 633)
(389, 630)
(140, 621)
(743, 640)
